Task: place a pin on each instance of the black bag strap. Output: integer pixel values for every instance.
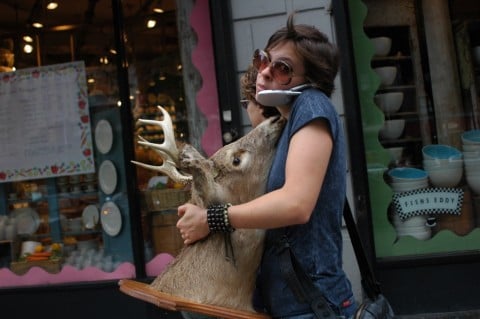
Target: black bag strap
(370, 284)
(300, 283)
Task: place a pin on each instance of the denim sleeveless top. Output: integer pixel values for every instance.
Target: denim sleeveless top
(317, 244)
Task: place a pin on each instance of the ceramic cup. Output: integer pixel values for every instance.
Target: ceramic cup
(28, 247)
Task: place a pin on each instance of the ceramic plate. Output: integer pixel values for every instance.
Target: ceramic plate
(27, 220)
(111, 218)
(90, 216)
(107, 177)
(103, 136)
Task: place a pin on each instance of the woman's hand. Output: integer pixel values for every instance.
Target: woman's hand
(192, 223)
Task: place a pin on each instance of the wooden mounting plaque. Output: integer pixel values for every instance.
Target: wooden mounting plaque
(146, 293)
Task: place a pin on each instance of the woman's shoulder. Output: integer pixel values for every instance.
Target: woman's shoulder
(313, 102)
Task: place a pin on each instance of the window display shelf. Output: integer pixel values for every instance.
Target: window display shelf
(402, 127)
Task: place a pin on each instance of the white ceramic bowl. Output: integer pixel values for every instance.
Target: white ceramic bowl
(471, 154)
(473, 181)
(28, 247)
(413, 181)
(471, 137)
(440, 151)
(471, 147)
(411, 229)
(471, 171)
(472, 166)
(400, 187)
(422, 234)
(406, 174)
(381, 45)
(439, 163)
(387, 74)
(415, 221)
(473, 163)
(392, 129)
(445, 176)
(389, 102)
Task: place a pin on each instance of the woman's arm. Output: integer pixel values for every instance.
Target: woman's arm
(307, 162)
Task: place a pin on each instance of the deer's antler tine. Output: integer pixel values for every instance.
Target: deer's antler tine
(167, 168)
(168, 146)
(168, 133)
(157, 148)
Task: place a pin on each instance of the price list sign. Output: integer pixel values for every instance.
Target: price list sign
(45, 126)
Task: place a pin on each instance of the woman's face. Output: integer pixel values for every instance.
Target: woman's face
(287, 55)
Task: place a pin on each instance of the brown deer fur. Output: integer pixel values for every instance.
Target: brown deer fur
(235, 174)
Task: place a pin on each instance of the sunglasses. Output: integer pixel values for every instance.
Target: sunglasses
(281, 71)
(244, 103)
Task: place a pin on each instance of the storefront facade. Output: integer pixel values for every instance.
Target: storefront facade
(420, 231)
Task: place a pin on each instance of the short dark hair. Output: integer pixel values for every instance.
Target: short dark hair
(320, 57)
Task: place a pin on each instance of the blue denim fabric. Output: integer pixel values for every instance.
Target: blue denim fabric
(344, 313)
(317, 244)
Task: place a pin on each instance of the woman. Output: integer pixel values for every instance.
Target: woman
(307, 181)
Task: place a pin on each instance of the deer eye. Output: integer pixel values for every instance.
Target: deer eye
(236, 161)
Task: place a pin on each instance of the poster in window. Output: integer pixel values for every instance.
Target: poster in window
(45, 126)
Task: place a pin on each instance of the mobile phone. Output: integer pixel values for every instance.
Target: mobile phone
(280, 97)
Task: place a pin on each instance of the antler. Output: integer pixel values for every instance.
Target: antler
(167, 149)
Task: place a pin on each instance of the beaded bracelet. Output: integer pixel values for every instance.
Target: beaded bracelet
(217, 219)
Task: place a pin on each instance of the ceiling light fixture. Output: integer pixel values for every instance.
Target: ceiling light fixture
(151, 23)
(28, 48)
(52, 5)
(157, 7)
(27, 39)
(37, 16)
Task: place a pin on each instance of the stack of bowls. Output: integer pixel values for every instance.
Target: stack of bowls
(404, 179)
(471, 154)
(415, 226)
(444, 165)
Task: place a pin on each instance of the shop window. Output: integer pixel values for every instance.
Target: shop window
(420, 164)
(75, 226)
